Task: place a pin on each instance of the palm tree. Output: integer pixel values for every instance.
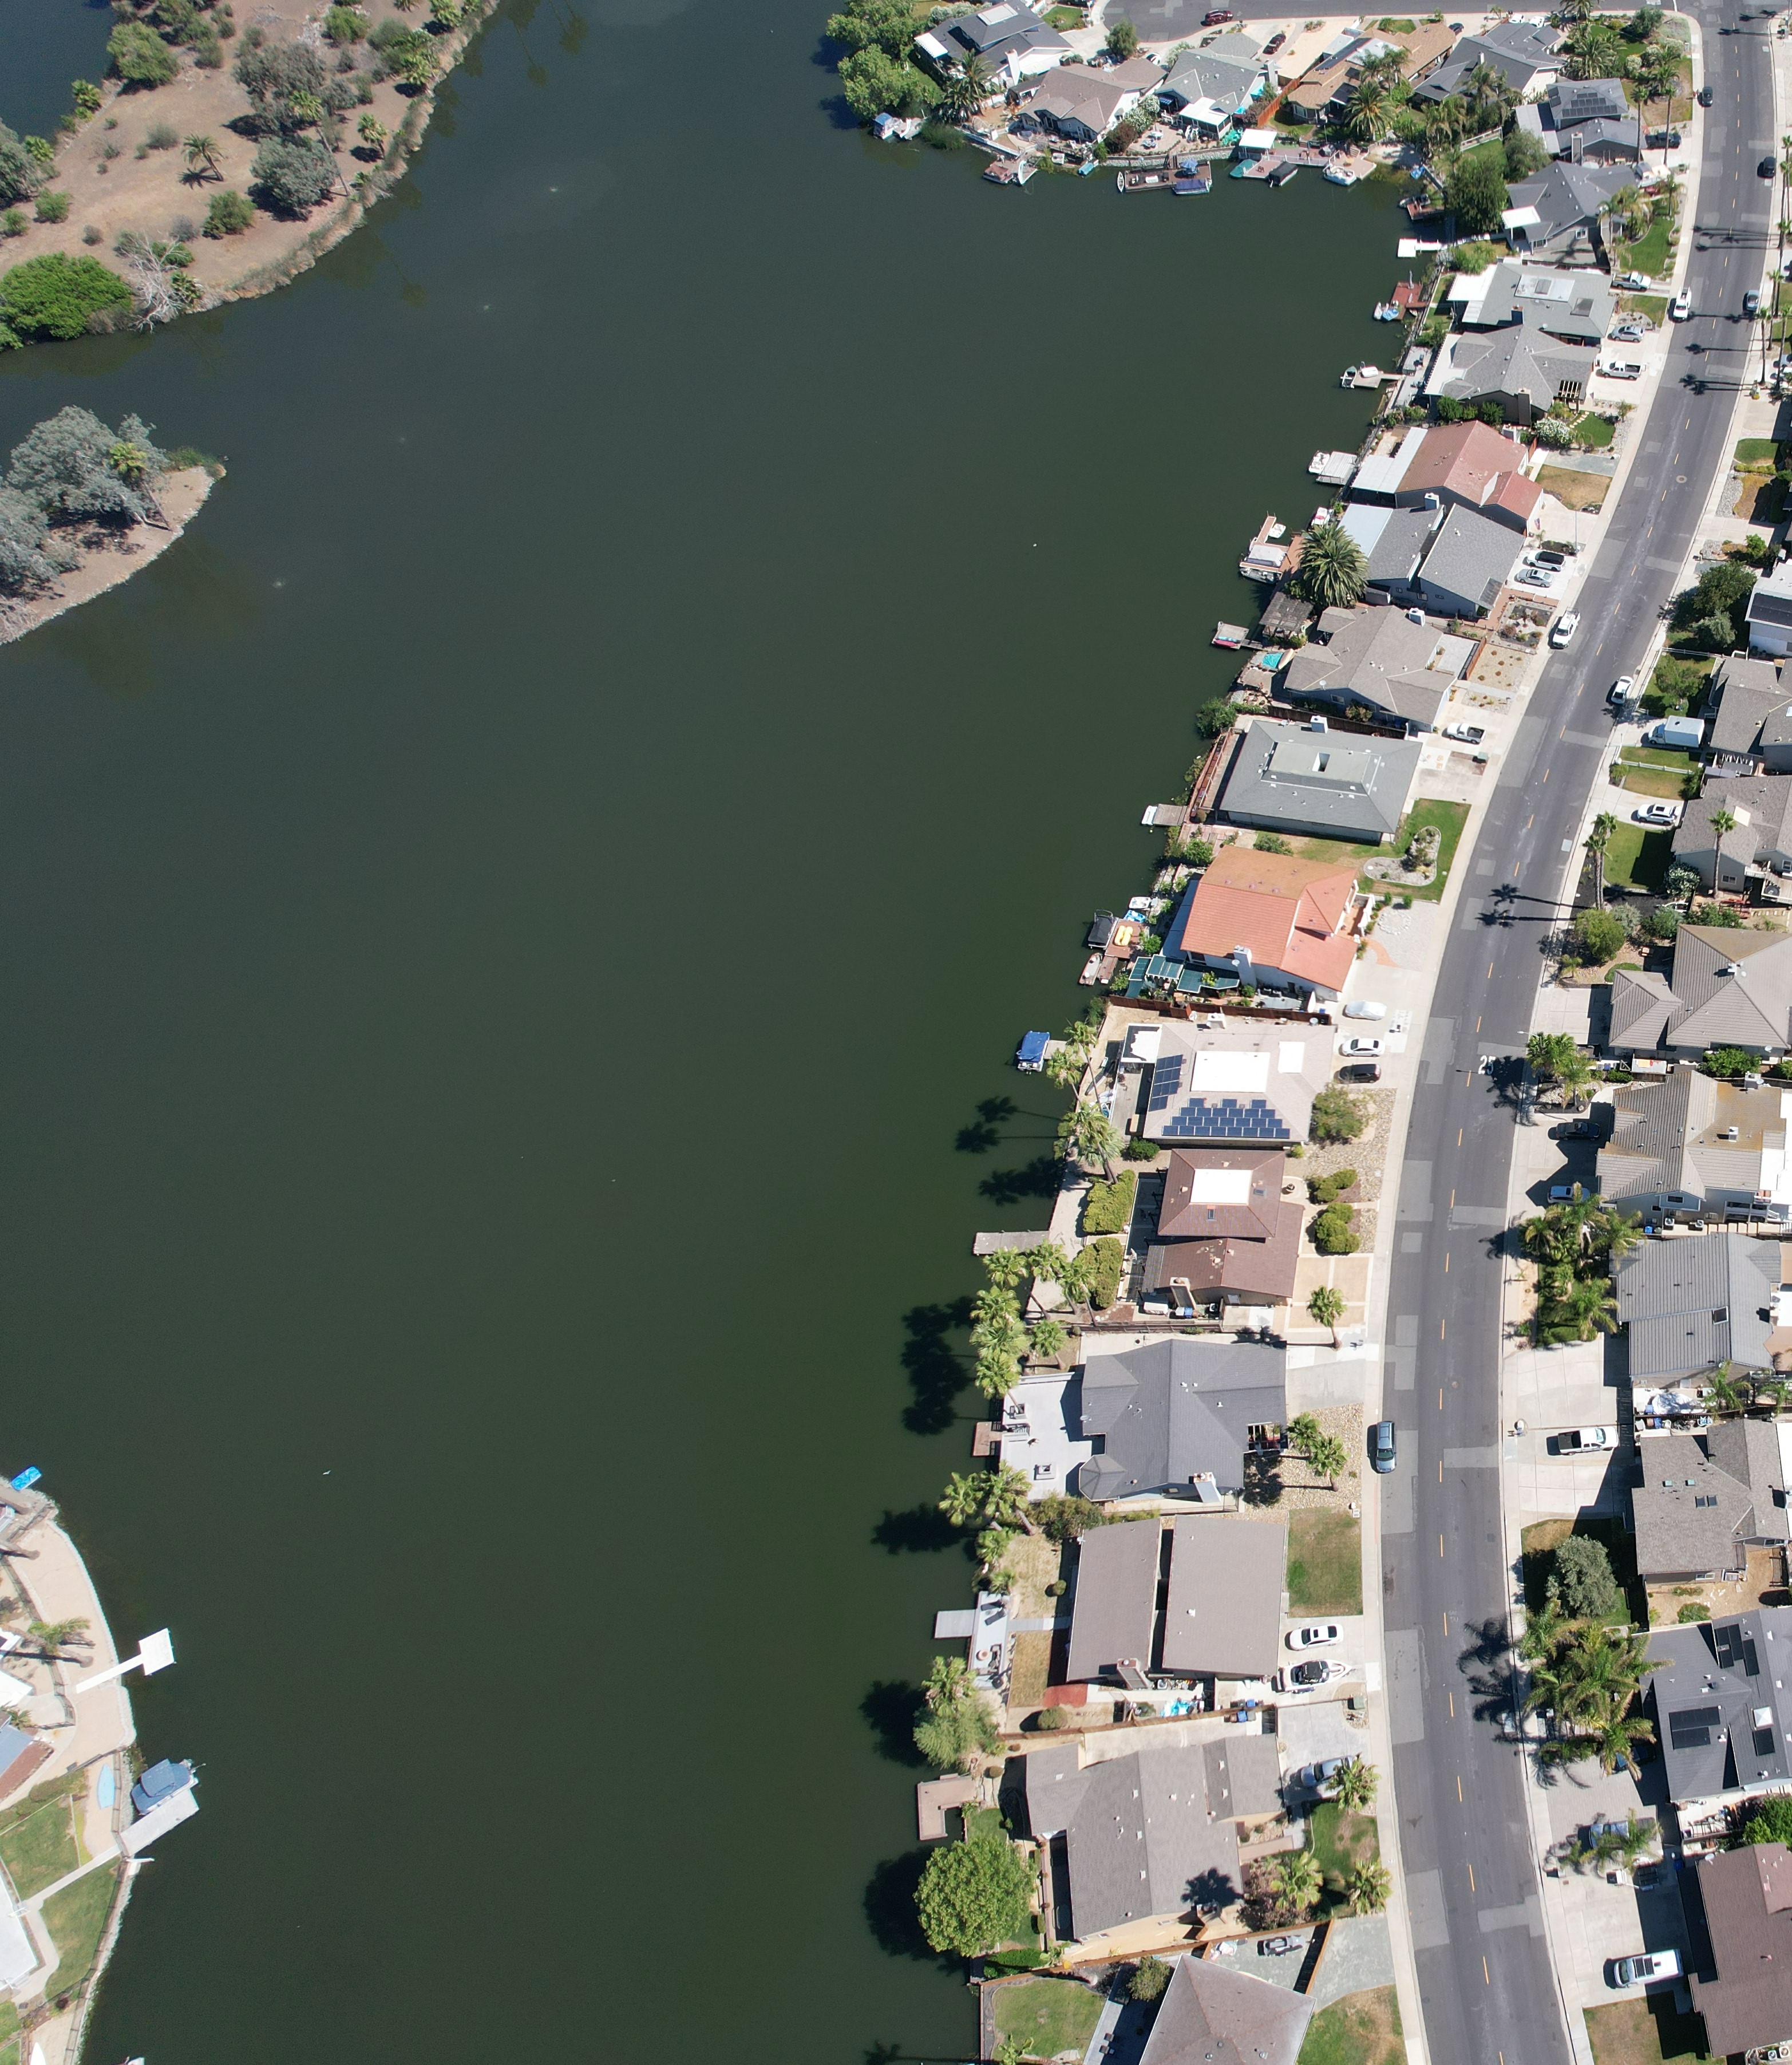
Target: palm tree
(1356, 1785)
(963, 1501)
(1048, 1339)
(1617, 1737)
(1299, 1878)
(1047, 1262)
(966, 89)
(948, 1681)
(1066, 1066)
(1332, 570)
(1365, 111)
(1723, 821)
(1007, 1268)
(1088, 1134)
(1326, 1308)
(1005, 1499)
(201, 153)
(1368, 1887)
(1489, 93)
(1584, 1309)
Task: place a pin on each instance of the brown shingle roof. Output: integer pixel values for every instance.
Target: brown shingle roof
(1748, 1910)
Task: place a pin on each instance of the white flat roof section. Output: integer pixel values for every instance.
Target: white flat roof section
(18, 1959)
(1220, 1072)
(1221, 1186)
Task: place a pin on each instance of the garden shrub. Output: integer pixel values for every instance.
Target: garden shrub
(345, 25)
(229, 215)
(1322, 1190)
(52, 207)
(54, 295)
(1334, 1230)
(139, 57)
(292, 178)
(1107, 1259)
(1336, 1115)
(1138, 1150)
(1108, 1206)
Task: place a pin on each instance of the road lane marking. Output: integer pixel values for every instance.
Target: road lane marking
(1485, 1974)
(1447, 1265)
(1440, 1559)
(1459, 1787)
(1471, 1882)
(1452, 1697)
(1447, 1623)
(1459, 1128)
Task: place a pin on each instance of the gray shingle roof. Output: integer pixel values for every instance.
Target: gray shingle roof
(1746, 692)
(1113, 1617)
(1205, 75)
(1717, 1677)
(1565, 196)
(1378, 656)
(1244, 1776)
(1212, 2015)
(1691, 1516)
(1518, 359)
(1577, 304)
(1671, 1293)
(1393, 558)
(1355, 787)
(1470, 557)
(1582, 99)
(1670, 1138)
(1715, 1008)
(1174, 1411)
(1519, 50)
(1223, 1616)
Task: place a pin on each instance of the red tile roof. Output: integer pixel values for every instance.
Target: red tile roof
(1284, 912)
(1474, 463)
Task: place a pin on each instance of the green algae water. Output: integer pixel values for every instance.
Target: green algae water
(504, 926)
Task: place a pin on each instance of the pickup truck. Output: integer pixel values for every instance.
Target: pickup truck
(1586, 1440)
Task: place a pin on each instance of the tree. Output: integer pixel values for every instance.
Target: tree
(1333, 1231)
(1299, 1878)
(973, 1896)
(956, 1730)
(1336, 1115)
(1596, 936)
(963, 1500)
(1583, 1574)
(345, 25)
(1768, 1821)
(55, 295)
(1548, 1053)
(1123, 38)
(1326, 1307)
(1721, 591)
(88, 99)
(1332, 570)
(373, 133)
(1356, 1786)
(1328, 1457)
(875, 83)
(201, 153)
(139, 57)
(54, 1635)
(229, 215)
(1368, 1887)
(1150, 1976)
(271, 74)
(21, 174)
(1063, 1517)
(889, 24)
(1049, 1339)
(1366, 109)
(1087, 1133)
(1476, 193)
(293, 179)
(1525, 154)
(28, 563)
(1576, 1310)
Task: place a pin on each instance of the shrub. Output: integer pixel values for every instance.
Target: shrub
(1272, 842)
(293, 179)
(162, 136)
(1137, 1150)
(1049, 1718)
(1150, 1976)
(139, 57)
(87, 98)
(1108, 1206)
(1724, 915)
(1062, 1517)
(13, 222)
(1596, 936)
(1106, 1259)
(1583, 1572)
(54, 295)
(1662, 923)
(53, 207)
(1729, 1062)
(90, 235)
(1019, 1960)
(229, 215)
(345, 25)
(1321, 1189)
(1689, 1614)
(1334, 1232)
(1767, 1820)
(1336, 1115)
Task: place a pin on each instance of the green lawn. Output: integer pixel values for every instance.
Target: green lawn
(1643, 2032)
(1341, 1842)
(1649, 253)
(1593, 432)
(76, 1920)
(40, 1849)
(1361, 2029)
(1763, 454)
(1047, 2015)
(1655, 770)
(1654, 306)
(1325, 849)
(1449, 818)
(1324, 1561)
(1640, 858)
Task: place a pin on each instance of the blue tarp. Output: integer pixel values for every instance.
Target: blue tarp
(1032, 1054)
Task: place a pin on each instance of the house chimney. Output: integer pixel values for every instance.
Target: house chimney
(1317, 724)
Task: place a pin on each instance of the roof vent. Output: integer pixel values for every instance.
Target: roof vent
(1317, 724)
(1731, 1133)
(1731, 968)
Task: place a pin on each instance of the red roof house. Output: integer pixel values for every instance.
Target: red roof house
(1274, 919)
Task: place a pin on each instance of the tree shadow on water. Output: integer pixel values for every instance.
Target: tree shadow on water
(890, 1710)
(889, 1908)
(917, 1530)
(1038, 1178)
(934, 1368)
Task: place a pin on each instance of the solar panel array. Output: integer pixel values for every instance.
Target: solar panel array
(1691, 1728)
(1225, 1118)
(1731, 1639)
(1166, 1080)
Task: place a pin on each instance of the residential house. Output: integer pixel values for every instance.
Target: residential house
(1129, 1838)
(1587, 121)
(1688, 1146)
(1317, 90)
(1232, 1082)
(1010, 38)
(22, 1757)
(1578, 306)
(1272, 919)
(1707, 1500)
(1691, 1304)
(1379, 658)
(1467, 466)
(1722, 1708)
(1083, 104)
(1213, 87)
(1523, 53)
(1524, 368)
(1225, 1234)
(1751, 720)
(1200, 1598)
(1317, 783)
(1467, 561)
(1756, 845)
(1424, 50)
(1728, 987)
(1769, 612)
(1556, 213)
(1214, 2010)
(1177, 1417)
(1743, 1986)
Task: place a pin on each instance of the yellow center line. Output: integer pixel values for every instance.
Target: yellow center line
(1440, 1559)
(1447, 1265)
(1440, 1398)
(1459, 1128)
(1459, 1786)
(1485, 1974)
(1452, 1200)
(1452, 1697)
(1447, 1623)
(1546, 774)
(1471, 1877)
(1440, 1469)
(1441, 1325)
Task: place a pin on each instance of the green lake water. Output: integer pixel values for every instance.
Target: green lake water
(502, 927)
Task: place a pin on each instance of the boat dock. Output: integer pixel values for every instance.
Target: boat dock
(1010, 171)
(1272, 553)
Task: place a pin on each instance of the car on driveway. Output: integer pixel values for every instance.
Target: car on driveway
(1316, 1635)
(1635, 283)
(1751, 303)
(1275, 42)
(1623, 369)
(1469, 734)
(1364, 1009)
(1531, 577)
(1680, 308)
(1361, 1072)
(1646, 1967)
(1628, 332)
(1656, 814)
(1276, 1946)
(1361, 1045)
(1303, 1677)
(1316, 1777)
(1586, 1440)
(1620, 691)
(1563, 630)
(1564, 1193)
(1575, 1129)
(1381, 1447)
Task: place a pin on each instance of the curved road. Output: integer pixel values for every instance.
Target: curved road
(1490, 1997)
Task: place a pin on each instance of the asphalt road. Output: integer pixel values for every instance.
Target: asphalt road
(1489, 1995)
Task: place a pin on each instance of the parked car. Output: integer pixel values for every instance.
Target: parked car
(1645, 1967)
(1657, 814)
(1275, 42)
(1622, 369)
(1635, 283)
(1664, 139)
(1381, 1451)
(1767, 168)
(1215, 15)
(1583, 1440)
(1469, 734)
(1546, 556)
(1361, 1045)
(1315, 1636)
(1564, 1193)
(1303, 1677)
(1704, 96)
(1751, 303)
(1276, 1946)
(1563, 630)
(1575, 1129)
(1361, 1072)
(1627, 333)
(1680, 308)
(1621, 690)
(1316, 1777)
(1363, 1009)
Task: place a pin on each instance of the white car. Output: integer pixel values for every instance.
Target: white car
(1680, 308)
(1585, 1440)
(1469, 734)
(1367, 1049)
(1531, 577)
(1563, 630)
(1635, 283)
(1363, 1009)
(1623, 369)
(1656, 814)
(1318, 1636)
(1620, 691)
(1641, 1969)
